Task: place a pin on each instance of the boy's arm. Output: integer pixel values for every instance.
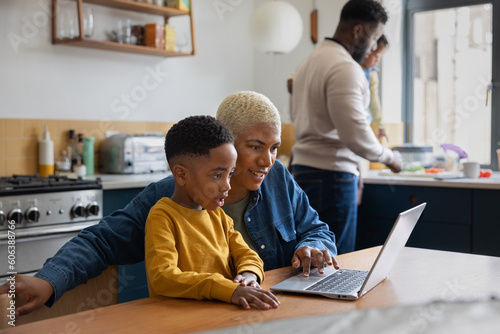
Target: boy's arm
(166, 278)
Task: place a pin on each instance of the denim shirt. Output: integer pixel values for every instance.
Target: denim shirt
(279, 220)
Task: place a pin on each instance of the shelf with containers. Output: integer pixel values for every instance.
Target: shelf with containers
(81, 41)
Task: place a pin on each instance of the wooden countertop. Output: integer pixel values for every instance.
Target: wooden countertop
(419, 276)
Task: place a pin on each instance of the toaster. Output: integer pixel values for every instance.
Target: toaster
(133, 154)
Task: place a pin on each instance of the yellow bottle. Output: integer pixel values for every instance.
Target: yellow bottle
(46, 155)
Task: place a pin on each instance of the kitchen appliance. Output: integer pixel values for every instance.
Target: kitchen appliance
(415, 157)
(451, 158)
(38, 215)
(132, 154)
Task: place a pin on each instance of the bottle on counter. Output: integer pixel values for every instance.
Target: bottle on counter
(79, 146)
(88, 154)
(74, 151)
(46, 155)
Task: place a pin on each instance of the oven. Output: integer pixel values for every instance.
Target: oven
(39, 215)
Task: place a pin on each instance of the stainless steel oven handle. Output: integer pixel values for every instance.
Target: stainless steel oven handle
(48, 230)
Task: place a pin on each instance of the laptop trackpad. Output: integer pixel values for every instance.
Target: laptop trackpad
(300, 282)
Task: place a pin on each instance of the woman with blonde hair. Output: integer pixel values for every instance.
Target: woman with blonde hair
(267, 206)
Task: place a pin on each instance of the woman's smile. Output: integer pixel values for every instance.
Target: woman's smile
(257, 149)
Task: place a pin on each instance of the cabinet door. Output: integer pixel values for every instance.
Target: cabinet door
(441, 236)
(445, 224)
(132, 282)
(486, 222)
(117, 199)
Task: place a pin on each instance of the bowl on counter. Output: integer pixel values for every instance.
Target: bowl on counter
(415, 157)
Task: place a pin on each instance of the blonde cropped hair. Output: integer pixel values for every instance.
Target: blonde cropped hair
(244, 109)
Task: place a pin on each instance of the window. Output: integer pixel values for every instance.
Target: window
(450, 95)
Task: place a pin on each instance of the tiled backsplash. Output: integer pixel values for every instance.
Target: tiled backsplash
(19, 139)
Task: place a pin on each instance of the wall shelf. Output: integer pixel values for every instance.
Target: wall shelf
(81, 41)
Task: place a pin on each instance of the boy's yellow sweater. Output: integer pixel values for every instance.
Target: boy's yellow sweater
(195, 253)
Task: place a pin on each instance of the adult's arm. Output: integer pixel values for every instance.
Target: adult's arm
(315, 242)
(116, 239)
(310, 231)
(346, 107)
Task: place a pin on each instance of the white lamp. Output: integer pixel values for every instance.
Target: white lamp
(276, 27)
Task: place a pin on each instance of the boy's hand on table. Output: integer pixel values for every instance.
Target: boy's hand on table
(36, 291)
(247, 278)
(248, 296)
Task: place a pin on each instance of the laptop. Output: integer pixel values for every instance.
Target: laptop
(348, 284)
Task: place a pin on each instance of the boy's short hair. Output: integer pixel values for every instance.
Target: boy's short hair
(368, 11)
(196, 136)
(243, 109)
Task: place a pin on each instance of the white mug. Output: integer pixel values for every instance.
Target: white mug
(471, 170)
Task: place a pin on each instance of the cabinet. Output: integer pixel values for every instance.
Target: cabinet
(129, 5)
(444, 225)
(486, 227)
(116, 199)
(455, 219)
(132, 281)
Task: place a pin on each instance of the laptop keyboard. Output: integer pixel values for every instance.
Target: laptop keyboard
(342, 281)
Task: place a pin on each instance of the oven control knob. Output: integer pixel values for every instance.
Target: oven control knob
(33, 215)
(16, 215)
(93, 209)
(2, 217)
(78, 210)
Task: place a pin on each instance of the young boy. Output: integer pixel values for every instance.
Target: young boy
(371, 72)
(191, 247)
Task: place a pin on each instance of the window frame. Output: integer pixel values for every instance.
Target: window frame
(416, 6)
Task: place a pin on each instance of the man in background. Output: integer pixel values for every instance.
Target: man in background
(329, 102)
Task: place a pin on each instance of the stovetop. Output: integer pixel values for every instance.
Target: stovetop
(29, 184)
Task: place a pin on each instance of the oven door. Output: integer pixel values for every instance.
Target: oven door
(33, 246)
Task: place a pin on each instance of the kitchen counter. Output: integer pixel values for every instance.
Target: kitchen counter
(412, 179)
(461, 215)
(127, 181)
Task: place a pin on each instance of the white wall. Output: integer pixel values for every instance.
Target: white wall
(392, 63)
(41, 80)
(272, 71)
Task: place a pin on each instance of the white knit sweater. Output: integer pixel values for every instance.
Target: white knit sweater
(329, 102)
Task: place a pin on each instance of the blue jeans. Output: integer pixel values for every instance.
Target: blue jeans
(333, 195)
